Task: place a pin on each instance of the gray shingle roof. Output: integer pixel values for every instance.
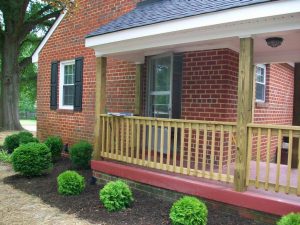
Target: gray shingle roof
(156, 11)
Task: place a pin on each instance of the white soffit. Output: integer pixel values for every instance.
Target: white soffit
(238, 22)
(35, 55)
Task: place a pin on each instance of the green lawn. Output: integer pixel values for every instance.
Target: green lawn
(28, 122)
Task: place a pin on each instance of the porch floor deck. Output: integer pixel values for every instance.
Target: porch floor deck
(256, 199)
(283, 178)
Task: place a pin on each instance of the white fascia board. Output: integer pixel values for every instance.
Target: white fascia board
(35, 56)
(253, 12)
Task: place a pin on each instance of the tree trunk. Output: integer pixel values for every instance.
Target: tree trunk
(10, 85)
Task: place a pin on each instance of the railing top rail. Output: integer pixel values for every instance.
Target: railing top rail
(174, 120)
(274, 126)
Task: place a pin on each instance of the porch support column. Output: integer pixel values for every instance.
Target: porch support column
(138, 90)
(244, 110)
(100, 99)
(296, 113)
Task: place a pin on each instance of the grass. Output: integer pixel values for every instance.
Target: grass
(5, 157)
(28, 122)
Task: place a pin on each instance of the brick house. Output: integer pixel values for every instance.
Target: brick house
(187, 76)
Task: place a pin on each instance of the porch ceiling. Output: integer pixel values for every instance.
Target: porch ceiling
(211, 31)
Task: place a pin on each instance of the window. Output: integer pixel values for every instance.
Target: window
(260, 83)
(66, 89)
(160, 77)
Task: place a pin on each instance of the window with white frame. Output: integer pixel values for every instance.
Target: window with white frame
(66, 87)
(160, 85)
(261, 72)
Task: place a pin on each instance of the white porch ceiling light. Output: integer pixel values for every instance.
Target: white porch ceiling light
(274, 42)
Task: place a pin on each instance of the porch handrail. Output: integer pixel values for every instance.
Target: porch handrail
(274, 126)
(267, 168)
(190, 147)
(173, 120)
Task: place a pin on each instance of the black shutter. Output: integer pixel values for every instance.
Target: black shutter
(78, 84)
(53, 91)
(177, 85)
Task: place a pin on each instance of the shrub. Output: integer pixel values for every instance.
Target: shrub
(55, 144)
(31, 159)
(70, 183)
(116, 195)
(81, 154)
(11, 142)
(27, 139)
(290, 219)
(188, 211)
(4, 156)
(23, 134)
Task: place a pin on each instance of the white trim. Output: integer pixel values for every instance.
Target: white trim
(222, 20)
(35, 55)
(264, 67)
(261, 26)
(61, 83)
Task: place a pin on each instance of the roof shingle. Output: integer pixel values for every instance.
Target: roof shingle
(156, 11)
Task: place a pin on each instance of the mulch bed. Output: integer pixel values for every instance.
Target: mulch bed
(146, 209)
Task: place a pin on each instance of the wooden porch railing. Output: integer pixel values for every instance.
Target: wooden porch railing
(197, 148)
(267, 167)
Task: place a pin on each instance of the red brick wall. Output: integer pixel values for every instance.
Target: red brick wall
(67, 42)
(278, 108)
(209, 90)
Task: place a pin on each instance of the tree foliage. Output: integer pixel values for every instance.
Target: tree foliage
(22, 26)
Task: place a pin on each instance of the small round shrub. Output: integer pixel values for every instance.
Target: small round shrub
(290, 219)
(55, 144)
(11, 142)
(188, 211)
(70, 183)
(27, 139)
(23, 134)
(31, 159)
(81, 154)
(116, 195)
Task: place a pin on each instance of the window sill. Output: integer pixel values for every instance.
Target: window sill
(261, 105)
(65, 111)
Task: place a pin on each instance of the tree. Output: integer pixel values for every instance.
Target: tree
(20, 20)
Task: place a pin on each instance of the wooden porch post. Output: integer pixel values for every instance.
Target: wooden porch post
(296, 113)
(138, 91)
(244, 110)
(100, 99)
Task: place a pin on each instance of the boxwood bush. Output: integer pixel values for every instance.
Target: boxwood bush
(31, 159)
(290, 219)
(27, 139)
(81, 154)
(55, 144)
(188, 211)
(13, 141)
(116, 195)
(70, 183)
(25, 134)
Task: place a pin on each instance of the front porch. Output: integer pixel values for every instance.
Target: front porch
(194, 127)
(126, 139)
